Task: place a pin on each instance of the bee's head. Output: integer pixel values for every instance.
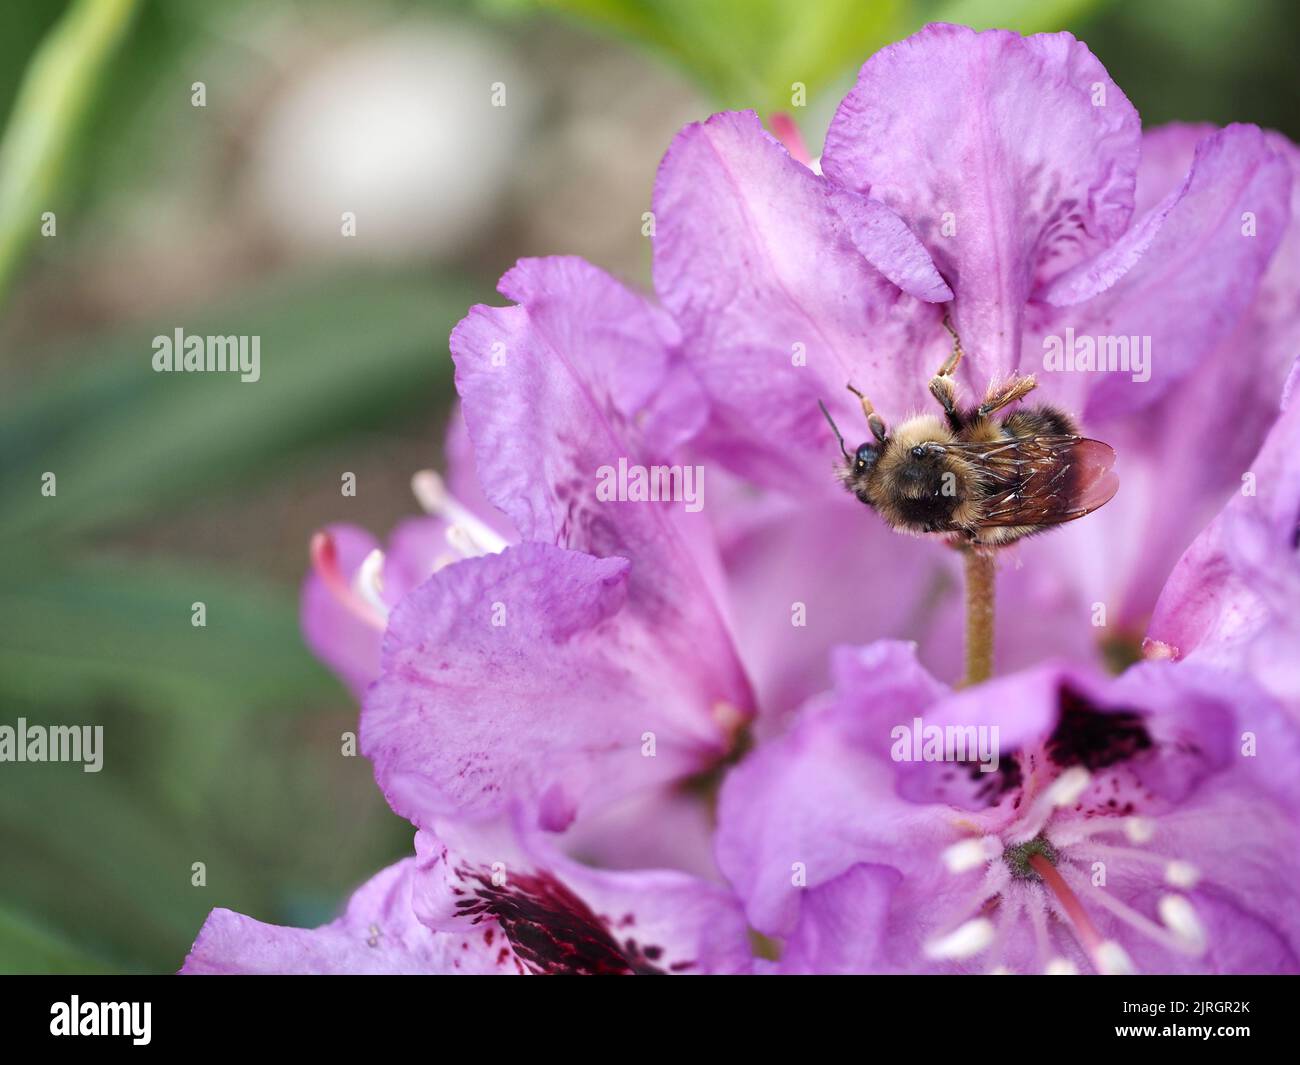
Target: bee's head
(858, 468)
(864, 458)
(856, 473)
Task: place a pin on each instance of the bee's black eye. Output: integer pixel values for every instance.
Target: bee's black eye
(865, 457)
(918, 452)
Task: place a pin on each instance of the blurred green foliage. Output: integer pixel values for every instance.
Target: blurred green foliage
(92, 635)
(223, 743)
(750, 53)
(52, 102)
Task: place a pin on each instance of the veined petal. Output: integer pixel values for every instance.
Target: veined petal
(1190, 288)
(1172, 484)
(1013, 158)
(378, 933)
(867, 850)
(522, 676)
(1231, 598)
(571, 396)
(555, 915)
(805, 808)
(786, 287)
(806, 575)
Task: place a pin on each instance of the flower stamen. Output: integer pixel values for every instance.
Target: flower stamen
(1185, 935)
(467, 533)
(1084, 930)
(963, 942)
(369, 581)
(325, 563)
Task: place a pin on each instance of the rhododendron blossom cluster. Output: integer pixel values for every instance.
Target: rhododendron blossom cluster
(631, 733)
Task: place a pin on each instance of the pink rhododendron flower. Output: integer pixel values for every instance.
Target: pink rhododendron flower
(492, 906)
(1148, 822)
(555, 681)
(1231, 600)
(1021, 168)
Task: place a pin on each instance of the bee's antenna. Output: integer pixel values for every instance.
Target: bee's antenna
(834, 428)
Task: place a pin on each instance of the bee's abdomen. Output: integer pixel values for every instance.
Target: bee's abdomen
(1040, 421)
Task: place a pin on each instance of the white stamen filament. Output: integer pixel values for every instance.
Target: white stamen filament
(1008, 916)
(480, 538)
(1038, 922)
(1135, 829)
(1064, 790)
(1003, 901)
(1067, 788)
(1177, 873)
(1168, 939)
(369, 582)
(460, 541)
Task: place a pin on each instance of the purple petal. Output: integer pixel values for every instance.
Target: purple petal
(807, 575)
(523, 676)
(1194, 282)
(1171, 483)
(551, 390)
(841, 927)
(561, 393)
(378, 933)
(559, 916)
(665, 828)
(785, 288)
(336, 635)
(859, 873)
(1023, 144)
(1231, 599)
(811, 805)
(1162, 176)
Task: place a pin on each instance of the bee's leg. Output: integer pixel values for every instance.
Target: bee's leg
(874, 420)
(1011, 390)
(950, 364)
(942, 388)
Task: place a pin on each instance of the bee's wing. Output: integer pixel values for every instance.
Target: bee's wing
(1042, 480)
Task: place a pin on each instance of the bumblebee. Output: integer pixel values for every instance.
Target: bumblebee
(982, 479)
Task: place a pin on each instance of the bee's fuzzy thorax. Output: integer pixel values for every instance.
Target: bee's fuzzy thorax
(922, 429)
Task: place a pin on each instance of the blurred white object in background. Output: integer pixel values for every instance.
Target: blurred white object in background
(399, 128)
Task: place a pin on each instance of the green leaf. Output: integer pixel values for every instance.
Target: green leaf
(120, 630)
(749, 53)
(27, 947)
(56, 94)
(337, 355)
(100, 860)
(1023, 16)
(284, 825)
